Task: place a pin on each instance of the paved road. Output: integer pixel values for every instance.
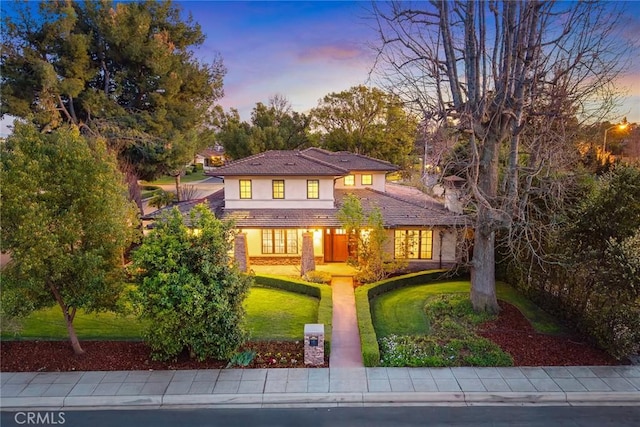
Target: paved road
(543, 416)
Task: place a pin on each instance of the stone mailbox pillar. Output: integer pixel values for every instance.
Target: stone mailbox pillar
(314, 344)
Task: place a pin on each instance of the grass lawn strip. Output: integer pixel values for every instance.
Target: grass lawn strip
(164, 180)
(272, 314)
(401, 311)
(433, 324)
(275, 314)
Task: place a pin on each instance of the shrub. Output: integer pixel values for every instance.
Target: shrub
(162, 198)
(315, 276)
(189, 292)
(198, 167)
(364, 294)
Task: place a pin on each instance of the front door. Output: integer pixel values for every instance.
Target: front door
(336, 245)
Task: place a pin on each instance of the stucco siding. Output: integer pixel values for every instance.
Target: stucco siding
(378, 181)
(295, 193)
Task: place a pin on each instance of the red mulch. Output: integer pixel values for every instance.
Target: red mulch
(36, 356)
(511, 331)
(515, 335)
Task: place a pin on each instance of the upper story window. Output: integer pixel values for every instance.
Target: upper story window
(350, 180)
(245, 188)
(366, 179)
(277, 189)
(313, 189)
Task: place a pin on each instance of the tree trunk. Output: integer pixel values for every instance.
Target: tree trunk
(177, 178)
(75, 343)
(134, 188)
(483, 281)
(68, 318)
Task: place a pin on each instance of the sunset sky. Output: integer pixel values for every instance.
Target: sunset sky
(305, 50)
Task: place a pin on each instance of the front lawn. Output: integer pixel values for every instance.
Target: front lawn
(192, 177)
(272, 314)
(401, 311)
(275, 314)
(434, 325)
(48, 324)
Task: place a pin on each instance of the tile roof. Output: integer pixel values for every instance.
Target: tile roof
(350, 161)
(283, 218)
(215, 201)
(279, 163)
(400, 207)
(402, 211)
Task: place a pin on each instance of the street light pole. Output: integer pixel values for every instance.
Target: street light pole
(621, 126)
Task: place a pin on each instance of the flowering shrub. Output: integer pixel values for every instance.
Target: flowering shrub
(451, 341)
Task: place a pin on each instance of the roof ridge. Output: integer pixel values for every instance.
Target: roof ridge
(322, 162)
(406, 200)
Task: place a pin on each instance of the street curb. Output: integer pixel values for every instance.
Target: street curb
(323, 399)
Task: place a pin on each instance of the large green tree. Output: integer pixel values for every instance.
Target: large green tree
(274, 126)
(125, 71)
(188, 289)
(66, 222)
(367, 121)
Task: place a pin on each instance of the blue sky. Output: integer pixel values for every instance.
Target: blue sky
(302, 50)
(306, 50)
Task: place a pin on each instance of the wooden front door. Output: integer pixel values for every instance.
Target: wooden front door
(335, 245)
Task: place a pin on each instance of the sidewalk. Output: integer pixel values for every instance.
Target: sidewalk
(345, 336)
(322, 387)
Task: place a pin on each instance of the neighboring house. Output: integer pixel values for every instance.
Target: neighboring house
(276, 196)
(210, 157)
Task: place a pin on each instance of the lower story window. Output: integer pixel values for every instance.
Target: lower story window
(413, 244)
(280, 241)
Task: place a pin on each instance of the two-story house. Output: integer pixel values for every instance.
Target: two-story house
(276, 196)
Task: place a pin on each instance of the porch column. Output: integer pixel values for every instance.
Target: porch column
(308, 261)
(241, 252)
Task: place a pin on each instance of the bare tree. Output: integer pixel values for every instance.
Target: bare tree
(511, 76)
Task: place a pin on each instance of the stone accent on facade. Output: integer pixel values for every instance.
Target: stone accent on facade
(241, 252)
(307, 261)
(314, 344)
(267, 260)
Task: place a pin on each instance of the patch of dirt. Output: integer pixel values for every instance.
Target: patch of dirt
(53, 356)
(511, 331)
(515, 335)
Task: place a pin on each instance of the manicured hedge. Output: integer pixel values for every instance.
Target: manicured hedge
(364, 294)
(322, 292)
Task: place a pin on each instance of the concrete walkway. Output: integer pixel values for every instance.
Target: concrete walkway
(345, 337)
(321, 387)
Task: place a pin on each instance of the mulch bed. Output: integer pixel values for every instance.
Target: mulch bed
(511, 331)
(515, 335)
(53, 356)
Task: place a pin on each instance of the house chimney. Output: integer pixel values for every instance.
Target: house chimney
(453, 193)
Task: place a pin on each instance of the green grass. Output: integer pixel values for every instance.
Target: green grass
(164, 180)
(274, 314)
(48, 324)
(401, 311)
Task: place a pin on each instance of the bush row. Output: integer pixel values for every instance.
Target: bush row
(322, 292)
(364, 294)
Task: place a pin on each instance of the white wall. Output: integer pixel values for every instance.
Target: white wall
(379, 180)
(295, 193)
